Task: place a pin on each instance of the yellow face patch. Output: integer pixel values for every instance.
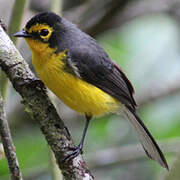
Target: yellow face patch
(37, 46)
(38, 28)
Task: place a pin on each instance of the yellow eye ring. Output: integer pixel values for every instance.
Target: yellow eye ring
(44, 32)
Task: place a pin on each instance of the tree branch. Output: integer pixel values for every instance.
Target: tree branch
(39, 107)
(8, 144)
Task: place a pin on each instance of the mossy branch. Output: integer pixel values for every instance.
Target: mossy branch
(39, 106)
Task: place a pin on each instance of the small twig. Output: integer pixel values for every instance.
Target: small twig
(2, 155)
(56, 173)
(8, 145)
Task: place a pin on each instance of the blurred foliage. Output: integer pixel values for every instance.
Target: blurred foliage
(148, 50)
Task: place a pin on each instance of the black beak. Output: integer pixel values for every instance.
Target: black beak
(22, 33)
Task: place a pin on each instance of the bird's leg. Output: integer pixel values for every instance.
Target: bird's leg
(79, 148)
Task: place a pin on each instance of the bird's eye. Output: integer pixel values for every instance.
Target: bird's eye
(44, 32)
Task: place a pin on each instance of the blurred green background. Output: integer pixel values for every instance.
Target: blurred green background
(146, 44)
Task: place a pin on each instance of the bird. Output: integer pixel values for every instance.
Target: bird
(76, 68)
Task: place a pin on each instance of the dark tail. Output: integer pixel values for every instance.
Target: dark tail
(149, 144)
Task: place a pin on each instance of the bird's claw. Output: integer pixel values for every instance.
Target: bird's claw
(75, 152)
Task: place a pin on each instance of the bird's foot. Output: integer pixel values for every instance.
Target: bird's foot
(75, 152)
(37, 82)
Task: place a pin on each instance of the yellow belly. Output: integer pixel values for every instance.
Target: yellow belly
(74, 92)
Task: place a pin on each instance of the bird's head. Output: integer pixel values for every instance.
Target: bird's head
(42, 31)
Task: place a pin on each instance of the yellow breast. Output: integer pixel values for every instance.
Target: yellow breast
(73, 91)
